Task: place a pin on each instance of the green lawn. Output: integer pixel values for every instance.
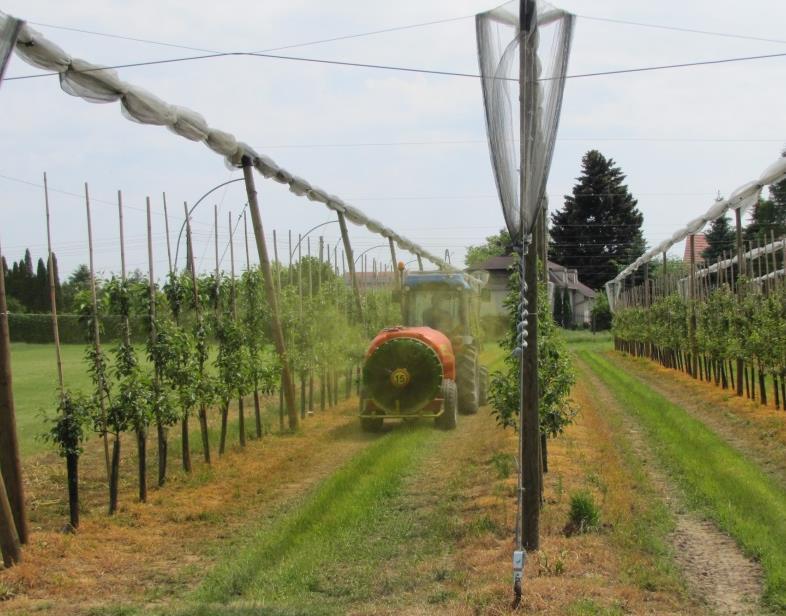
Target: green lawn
(718, 480)
(35, 386)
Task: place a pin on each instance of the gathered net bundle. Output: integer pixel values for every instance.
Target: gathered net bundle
(97, 84)
(9, 29)
(741, 198)
(547, 43)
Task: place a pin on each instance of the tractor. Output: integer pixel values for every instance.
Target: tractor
(428, 367)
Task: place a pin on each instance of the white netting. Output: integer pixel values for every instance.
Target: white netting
(547, 47)
(741, 198)
(98, 84)
(9, 28)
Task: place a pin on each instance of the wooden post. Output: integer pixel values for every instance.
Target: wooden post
(161, 429)
(197, 309)
(692, 316)
(96, 330)
(275, 254)
(420, 263)
(394, 262)
(241, 415)
(350, 264)
(53, 292)
(257, 408)
(9, 538)
(278, 334)
(10, 463)
(740, 270)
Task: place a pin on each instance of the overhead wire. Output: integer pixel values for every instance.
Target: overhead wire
(405, 69)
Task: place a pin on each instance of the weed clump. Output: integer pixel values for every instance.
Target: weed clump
(584, 514)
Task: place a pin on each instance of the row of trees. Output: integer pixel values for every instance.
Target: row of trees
(735, 342)
(208, 344)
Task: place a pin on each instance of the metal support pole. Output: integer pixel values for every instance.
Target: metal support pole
(270, 291)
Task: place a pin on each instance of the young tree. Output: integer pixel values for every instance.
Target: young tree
(495, 246)
(598, 231)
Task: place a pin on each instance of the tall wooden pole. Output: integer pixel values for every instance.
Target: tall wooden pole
(278, 333)
(420, 263)
(529, 444)
(197, 310)
(96, 330)
(241, 415)
(342, 223)
(161, 429)
(10, 462)
(53, 292)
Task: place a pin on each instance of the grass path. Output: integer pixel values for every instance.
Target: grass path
(718, 480)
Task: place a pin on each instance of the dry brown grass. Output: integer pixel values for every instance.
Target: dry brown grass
(150, 551)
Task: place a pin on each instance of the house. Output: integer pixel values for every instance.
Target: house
(493, 312)
(700, 244)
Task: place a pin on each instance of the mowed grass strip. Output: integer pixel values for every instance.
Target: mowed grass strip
(328, 551)
(717, 479)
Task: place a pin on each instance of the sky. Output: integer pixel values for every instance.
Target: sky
(408, 149)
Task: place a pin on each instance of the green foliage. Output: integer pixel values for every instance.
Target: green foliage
(598, 231)
(495, 246)
(67, 428)
(555, 372)
(584, 515)
(601, 312)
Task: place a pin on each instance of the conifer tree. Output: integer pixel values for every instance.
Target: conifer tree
(721, 238)
(598, 231)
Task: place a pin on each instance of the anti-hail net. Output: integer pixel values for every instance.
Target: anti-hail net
(741, 198)
(547, 42)
(98, 84)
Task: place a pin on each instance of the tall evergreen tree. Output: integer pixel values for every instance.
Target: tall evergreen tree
(598, 231)
(721, 237)
(766, 216)
(567, 310)
(41, 303)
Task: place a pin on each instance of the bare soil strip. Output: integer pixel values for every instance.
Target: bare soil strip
(717, 571)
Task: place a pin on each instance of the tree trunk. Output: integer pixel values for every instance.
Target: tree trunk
(141, 450)
(72, 468)
(302, 395)
(185, 445)
(205, 433)
(241, 420)
(329, 389)
(222, 440)
(311, 392)
(163, 448)
(544, 452)
(114, 476)
(257, 413)
(762, 386)
(322, 390)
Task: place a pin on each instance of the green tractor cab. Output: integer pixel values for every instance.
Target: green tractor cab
(450, 303)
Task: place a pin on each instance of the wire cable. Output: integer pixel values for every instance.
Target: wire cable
(406, 69)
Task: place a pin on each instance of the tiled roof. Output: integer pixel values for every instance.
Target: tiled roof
(699, 245)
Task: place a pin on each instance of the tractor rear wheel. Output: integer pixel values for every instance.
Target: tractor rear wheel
(449, 417)
(483, 386)
(467, 381)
